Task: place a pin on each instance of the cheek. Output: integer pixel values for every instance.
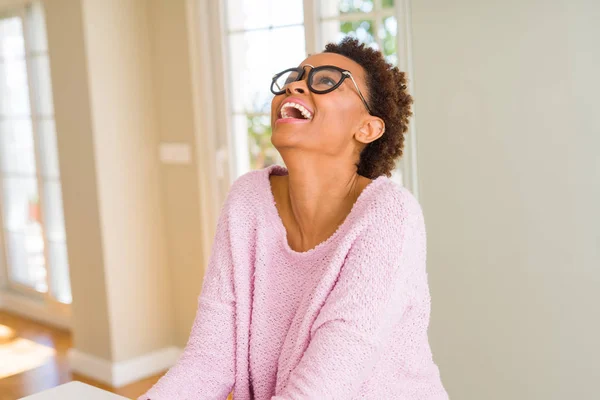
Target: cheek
(274, 103)
(336, 111)
(274, 106)
(336, 123)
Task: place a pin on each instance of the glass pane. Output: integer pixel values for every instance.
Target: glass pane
(59, 265)
(37, 28)
(247, 15)
(287, 12)
(25, 255)
(14, 91)
(333, 8)
(42, 85)
(48, 148)
(244, 15)
(254, 61)
(262, 152)
(387, 35)
(12, 44)
(20, 201)
(17, 153)
(4, 93)
(240, 141)
(53, 211)
(334, 31)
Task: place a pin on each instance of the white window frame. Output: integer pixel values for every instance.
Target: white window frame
(14, 296)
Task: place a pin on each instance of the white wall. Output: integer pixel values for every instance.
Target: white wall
(509, 134)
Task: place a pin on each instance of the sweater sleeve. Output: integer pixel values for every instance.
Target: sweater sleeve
(206, 368)
(372, 293)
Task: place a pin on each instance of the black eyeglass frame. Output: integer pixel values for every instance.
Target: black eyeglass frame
(301, 71)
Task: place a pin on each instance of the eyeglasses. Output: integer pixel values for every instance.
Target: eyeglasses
(322, 79)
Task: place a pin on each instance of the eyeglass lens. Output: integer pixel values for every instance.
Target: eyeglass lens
(322, 79)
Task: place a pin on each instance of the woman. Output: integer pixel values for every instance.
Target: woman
(316, 286)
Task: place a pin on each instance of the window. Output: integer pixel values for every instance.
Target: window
(267, 36)
(371, 21)
(33, 232)
(256, 31)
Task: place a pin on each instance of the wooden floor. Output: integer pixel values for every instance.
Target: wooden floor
(55, 371)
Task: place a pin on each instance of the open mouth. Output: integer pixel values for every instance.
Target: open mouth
(295, 111)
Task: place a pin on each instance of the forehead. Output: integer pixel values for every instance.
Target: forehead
(338, 60)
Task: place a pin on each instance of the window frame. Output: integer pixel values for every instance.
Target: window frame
(38, 305)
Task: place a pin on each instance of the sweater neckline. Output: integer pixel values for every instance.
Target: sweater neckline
(277, 169)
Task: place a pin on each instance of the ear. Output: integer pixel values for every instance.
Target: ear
(371, 130)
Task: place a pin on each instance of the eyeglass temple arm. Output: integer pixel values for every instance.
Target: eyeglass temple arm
(358, 90)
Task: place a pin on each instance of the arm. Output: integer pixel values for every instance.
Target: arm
(205, 370)
(373, 291)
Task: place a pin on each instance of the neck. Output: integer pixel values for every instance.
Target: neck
(319, 196)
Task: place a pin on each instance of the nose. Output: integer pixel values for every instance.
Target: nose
(297, 87)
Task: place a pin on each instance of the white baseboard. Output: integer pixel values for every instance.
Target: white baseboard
(118, 374)
(35, 310)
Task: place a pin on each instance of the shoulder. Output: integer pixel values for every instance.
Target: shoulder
(393, 223)
(395, 234)
(246, 182)
(394, 206)
(247, 192)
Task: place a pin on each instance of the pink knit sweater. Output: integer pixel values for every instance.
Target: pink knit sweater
(345, 320)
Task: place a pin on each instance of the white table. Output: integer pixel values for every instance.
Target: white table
(74, 391)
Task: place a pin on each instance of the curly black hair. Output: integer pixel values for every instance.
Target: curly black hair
(387, 98)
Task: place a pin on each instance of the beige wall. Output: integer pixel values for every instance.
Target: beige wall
(101, 62)
(138, 71)
(173, 93)
(69, 72)
(122, 85)
(506, 93)
(126, 141)
(122, 80)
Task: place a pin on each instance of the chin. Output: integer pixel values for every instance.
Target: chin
(289, 136)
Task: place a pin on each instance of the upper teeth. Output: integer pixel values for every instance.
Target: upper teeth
(305, 113)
